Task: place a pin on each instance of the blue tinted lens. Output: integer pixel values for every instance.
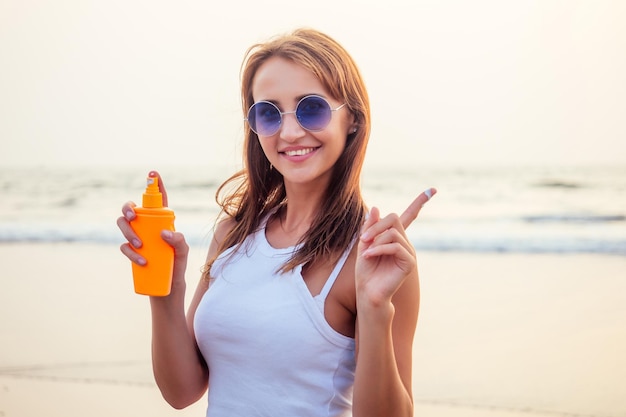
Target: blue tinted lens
(264, 118)
(313, 113)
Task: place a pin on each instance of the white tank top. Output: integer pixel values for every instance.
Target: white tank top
(269, 349)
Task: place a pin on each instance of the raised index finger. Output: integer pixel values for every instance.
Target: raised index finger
(410, 214)
(155, 174)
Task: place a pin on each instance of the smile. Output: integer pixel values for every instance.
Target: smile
(299, 152)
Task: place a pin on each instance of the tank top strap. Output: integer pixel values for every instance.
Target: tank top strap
(335, 273)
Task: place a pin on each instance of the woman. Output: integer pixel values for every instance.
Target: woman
(308, 305)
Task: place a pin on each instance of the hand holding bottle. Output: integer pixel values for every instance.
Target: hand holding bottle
(157, 252)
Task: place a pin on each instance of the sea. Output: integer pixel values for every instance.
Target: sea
(498, 209)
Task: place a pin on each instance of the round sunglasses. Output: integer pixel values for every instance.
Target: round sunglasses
(313, 113)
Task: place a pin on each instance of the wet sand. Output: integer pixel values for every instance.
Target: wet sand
(498, 335)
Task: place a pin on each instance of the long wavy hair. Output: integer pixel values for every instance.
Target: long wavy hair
(258, 190)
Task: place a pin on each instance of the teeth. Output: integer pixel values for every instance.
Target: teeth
(299, 152)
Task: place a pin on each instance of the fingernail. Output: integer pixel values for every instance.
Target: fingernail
(130, 215)
(136, 243)
(429, 193)
(141, 261)
(167, 234)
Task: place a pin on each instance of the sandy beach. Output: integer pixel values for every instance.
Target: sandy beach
(499, 335)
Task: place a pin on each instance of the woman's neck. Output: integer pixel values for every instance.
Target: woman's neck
(296, 216)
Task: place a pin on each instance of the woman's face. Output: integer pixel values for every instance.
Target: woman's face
(301, 156)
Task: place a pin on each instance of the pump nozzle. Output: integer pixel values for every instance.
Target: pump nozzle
(152, 198)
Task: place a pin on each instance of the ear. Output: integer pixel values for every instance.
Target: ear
(354, 126)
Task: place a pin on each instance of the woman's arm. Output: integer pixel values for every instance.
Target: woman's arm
(384, 335)
(179, 369)
(387, 297)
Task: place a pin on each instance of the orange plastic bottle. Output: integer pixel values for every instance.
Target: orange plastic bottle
(155, 277)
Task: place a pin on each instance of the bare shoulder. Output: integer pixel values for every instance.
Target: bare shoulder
(222, 229)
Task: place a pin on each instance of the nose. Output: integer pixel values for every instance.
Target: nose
(290, 129)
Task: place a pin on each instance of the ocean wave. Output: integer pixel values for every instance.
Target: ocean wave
(574, 218)
(434, 243)
(558, 184)
(528, 246)
(57, 235)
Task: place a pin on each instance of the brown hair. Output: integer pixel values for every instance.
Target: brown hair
(258, 189)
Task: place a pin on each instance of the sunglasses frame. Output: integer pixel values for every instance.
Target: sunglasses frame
(294, 112)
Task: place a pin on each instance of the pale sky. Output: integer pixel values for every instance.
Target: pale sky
(451, 82)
